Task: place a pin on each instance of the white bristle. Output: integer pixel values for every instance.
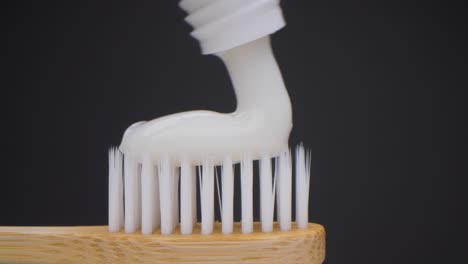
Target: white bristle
(207, 197)
(132, 195)
(283, 192)
(303, 163)
(227, 184)
(116, 212)
(267, 197)
(167, 203)
(186, 197)
(247, 193)
(218, 190)
(148, 196)
(120, 187)
(175, 193)
(194, 194)
(150, 217)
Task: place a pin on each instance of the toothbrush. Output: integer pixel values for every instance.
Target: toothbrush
(157, 156)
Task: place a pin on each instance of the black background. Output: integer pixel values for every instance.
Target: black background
(378, 91)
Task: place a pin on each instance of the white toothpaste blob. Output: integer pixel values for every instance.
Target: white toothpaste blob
(236, 31)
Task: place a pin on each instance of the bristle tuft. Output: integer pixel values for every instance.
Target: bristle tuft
(283, 191)
(207, 197)
(266, 194)
(303, 164)
(150, 217)
(247, 193)
(227, 183)
(132, 194)
(116, 212)
(167, 203)
(186, 196)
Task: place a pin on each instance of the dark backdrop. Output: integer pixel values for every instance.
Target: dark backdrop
(378, 91)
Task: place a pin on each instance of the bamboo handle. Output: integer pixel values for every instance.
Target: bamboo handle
(94, 244)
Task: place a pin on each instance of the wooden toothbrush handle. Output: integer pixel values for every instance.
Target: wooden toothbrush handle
(94, 244)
